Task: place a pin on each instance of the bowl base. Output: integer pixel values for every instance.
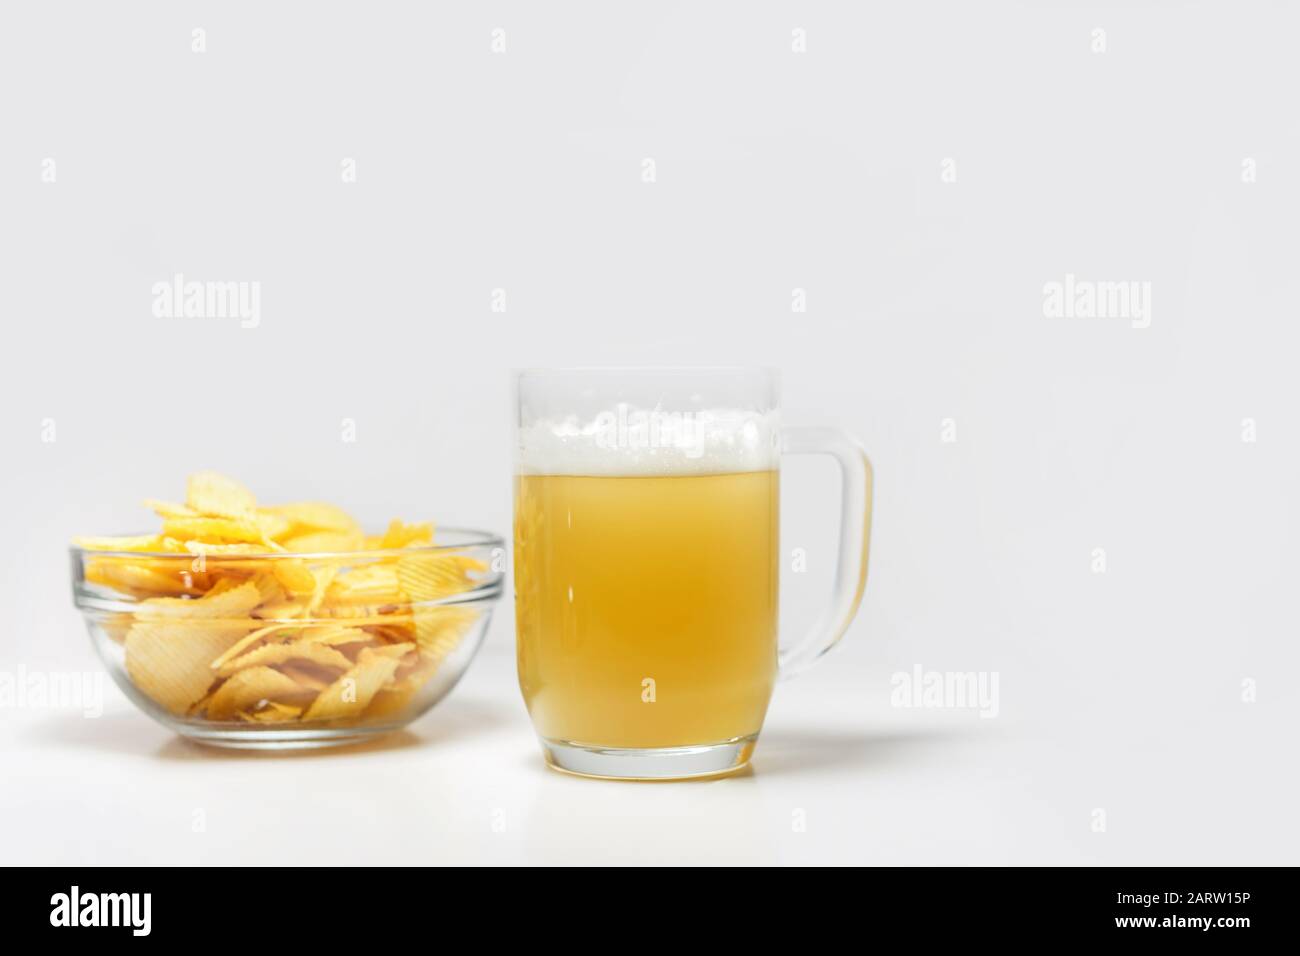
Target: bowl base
(300, 738)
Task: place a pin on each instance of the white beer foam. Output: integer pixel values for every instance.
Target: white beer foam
(631, 441)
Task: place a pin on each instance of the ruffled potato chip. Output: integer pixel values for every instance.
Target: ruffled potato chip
(364, 615)
(268, 654)
(249, 640)
(272, 527)
(324, 542)
(224, 600)
(268, 588)
(428, 577)
(275, 712)
(438, 630)
(357, 641)
(209, 493)
(394, 650)
(139, 579)
(323, 578)
(415, 670)
(249, 687)
(308, 516)
(351, 694)
(307, 677)
(281, 610)
(213, 530)
(170, 509)
(401, 535)
(117, 626)
(333, 634)
(168, 660)
(295, 576)
(372, 584)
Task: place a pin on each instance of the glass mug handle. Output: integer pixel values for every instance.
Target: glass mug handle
(855, 540)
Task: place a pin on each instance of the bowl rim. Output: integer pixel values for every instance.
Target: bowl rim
(473, 538)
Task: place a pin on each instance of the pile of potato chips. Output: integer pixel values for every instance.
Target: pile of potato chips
(277, 614)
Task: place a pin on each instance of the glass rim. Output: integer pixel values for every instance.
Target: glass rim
(474, 538)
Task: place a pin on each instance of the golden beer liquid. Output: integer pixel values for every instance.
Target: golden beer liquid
(624, 581)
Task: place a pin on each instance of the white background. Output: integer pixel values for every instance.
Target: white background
(775, 170)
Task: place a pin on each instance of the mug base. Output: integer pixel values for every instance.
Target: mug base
(653, 763)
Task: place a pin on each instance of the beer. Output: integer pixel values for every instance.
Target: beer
(646, 604)
(646, 523)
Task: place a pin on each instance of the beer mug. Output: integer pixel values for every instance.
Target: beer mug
(647, 561)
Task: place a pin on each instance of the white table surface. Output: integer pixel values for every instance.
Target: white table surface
(466, 784)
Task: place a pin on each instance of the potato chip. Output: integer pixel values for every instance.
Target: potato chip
(351, 694)
(371, 584)
(395, 629)
(294, 575)
(248, 687)
(323, 578)
(414, 671)
(352, 649)
(275, 712)
(224, 585)
(401, 535)
(305, 516)
(211, 494)
(247, 641)
(364, 615)
(268, 654)
(200, 705)
(233, 601)
(438, 630)
(170, 509)
(394, 650)
(214, 530)
(324, 542)
(116, 626)
(268, 588)
(271, 525)
(137, 579)
(390, 701)
(334, 634)
(282, 610)
(308, 678)
(168, 660)
(427, 577)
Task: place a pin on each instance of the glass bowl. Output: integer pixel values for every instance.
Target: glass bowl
(290, 650)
